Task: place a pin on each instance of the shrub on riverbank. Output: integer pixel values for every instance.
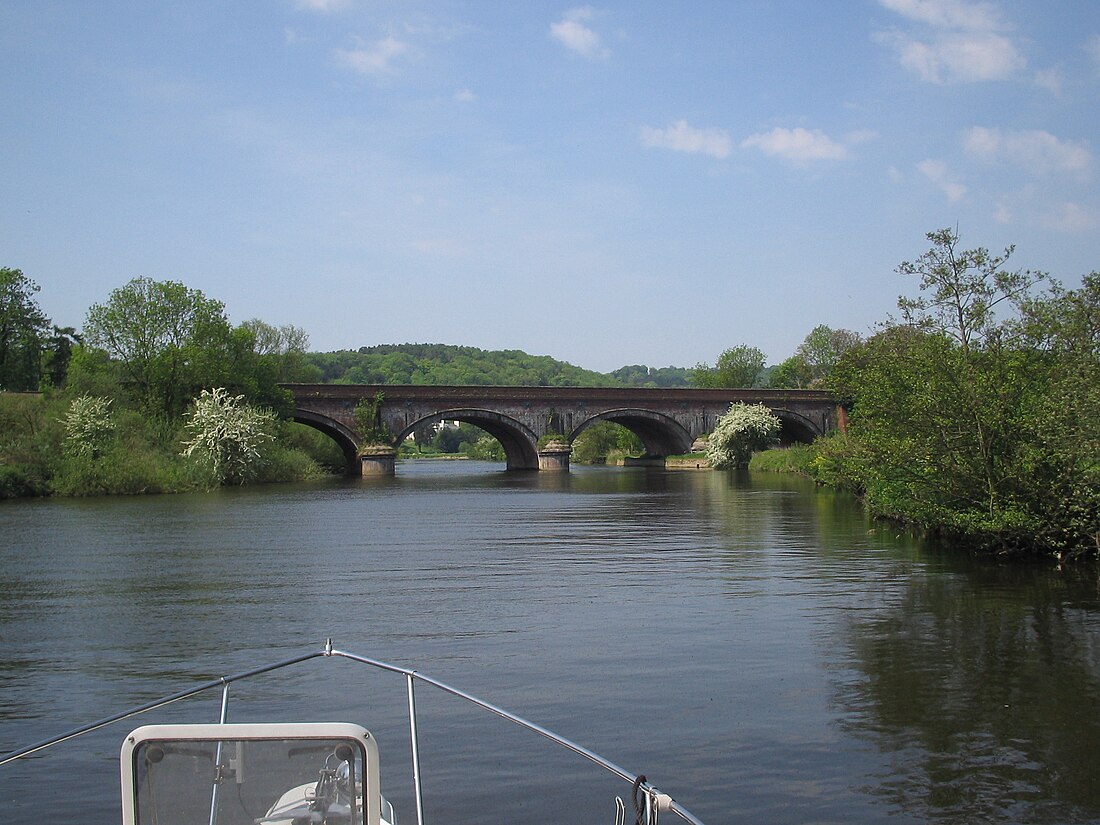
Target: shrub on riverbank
(823, 461)
(137, 454)
(797, 458)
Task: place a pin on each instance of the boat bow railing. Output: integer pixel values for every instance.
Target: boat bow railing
(649, 802)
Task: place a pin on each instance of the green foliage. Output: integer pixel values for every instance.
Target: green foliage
(24, 331)
(227, 436)
(744, 429)
(824, 461)
(975, 428)
(170, 341)
(112, 424)
(88, 426)
(57, 355)
(313, 444)
(451, 440)
(28, 444)
(793, 373)
(814, 359)
(961, 289)
(281, 351)
(797, 458)
(368, 419)
(740, 366)
(439, 364)
(284, 463)
(485, 448)
(639, 375)
(603, 439)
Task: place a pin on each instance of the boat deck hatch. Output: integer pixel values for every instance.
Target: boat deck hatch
(250, 774)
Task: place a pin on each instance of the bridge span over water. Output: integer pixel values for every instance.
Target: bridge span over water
(668, 421)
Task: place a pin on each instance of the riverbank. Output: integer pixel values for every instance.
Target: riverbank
(833, 461)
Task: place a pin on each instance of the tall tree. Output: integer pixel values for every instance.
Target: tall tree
(170, 341)
(24, 330)
(822, 348)
(59, 354)
(738, 366)
(285, 347)
(961, 289)
(979, 427)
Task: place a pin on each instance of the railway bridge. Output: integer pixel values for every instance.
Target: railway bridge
(668, 421)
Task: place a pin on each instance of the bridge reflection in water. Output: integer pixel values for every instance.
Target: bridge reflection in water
(668, 421)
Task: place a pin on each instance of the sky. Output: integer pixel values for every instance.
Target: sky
(609, 184)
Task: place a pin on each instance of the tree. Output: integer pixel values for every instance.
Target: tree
(793, 373)
(284, 347)
(963, 289)
(600, 440)
(226, 435)
(368, 419)
(974, 427)
(169, 340)
(24, 329)
(88, 426)
(744, 429)
(1064, 463)
(822, 348)
(738, 366)
(59, 354)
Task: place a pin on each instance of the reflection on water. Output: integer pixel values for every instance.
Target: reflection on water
(751, 643)
(981, 688)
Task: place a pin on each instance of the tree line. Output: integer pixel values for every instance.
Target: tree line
(158, 393)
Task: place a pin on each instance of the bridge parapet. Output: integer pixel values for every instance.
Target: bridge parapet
(666, 420)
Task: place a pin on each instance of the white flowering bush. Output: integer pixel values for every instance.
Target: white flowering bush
(88, 426)
(227, 435)
(744, 429)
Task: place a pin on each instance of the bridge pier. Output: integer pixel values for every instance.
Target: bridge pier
(378, 461)
(555, 457)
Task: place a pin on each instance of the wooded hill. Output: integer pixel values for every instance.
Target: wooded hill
(454, 365)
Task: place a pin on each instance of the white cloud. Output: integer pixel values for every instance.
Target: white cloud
(1070, 217)
(572, 33)
(1035, 150)
(465, 96)
(680, 137)
(964, 57)
(798, 145)
(948, 14)
(965, 44)
(936, 171)
(322, 5)
(375, 59)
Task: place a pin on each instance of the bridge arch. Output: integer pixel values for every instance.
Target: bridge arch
(795, 428)
(519, 442)
(345, 438)
(661, 434)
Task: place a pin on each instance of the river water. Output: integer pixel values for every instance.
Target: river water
(752, 644)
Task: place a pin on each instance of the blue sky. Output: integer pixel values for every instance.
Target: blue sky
(615, 183)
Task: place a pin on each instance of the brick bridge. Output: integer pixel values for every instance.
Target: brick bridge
(666, 420)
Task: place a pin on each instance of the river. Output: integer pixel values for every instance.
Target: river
(754, 645)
